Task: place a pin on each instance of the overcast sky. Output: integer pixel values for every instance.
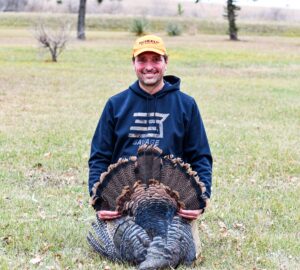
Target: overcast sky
(290, 4)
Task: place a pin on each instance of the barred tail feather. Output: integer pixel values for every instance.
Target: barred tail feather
(97, 246)
(156, 257)
(101, 240)
(180, 242)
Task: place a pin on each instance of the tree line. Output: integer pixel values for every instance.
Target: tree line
(230, 14)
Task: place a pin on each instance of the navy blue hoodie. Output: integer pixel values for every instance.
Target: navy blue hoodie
(168, 119)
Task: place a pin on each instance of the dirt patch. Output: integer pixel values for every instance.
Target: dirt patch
(39, 177)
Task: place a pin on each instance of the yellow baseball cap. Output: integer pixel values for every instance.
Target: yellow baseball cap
(149, 43)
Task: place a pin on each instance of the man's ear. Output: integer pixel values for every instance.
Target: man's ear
(166, 58)
(133, 67)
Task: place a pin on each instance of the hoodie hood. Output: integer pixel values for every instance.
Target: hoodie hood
(171, 83)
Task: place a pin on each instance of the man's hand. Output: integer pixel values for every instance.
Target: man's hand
(108, 215)
(190, 214)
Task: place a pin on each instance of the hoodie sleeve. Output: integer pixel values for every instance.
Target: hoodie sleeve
(197, 150)
(102, 146)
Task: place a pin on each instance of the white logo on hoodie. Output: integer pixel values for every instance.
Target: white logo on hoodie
(148, 125)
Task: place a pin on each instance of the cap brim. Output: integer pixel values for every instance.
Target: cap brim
(137, 52)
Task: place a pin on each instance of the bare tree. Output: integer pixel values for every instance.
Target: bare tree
(81, 19)
(53, 40)
(230, 13)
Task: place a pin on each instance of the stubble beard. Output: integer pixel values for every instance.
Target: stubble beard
(150, 82)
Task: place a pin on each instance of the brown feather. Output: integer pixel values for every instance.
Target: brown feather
(167, 175)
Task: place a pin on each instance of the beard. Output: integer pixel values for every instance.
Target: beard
(154, 80)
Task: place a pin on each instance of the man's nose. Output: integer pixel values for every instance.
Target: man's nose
(148, 66)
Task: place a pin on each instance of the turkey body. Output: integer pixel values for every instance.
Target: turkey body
(149, 234)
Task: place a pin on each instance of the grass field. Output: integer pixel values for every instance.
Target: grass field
(248, 93)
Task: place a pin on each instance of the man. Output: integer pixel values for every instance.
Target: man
(154, 111)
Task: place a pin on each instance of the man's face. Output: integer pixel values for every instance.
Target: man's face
(150, 68)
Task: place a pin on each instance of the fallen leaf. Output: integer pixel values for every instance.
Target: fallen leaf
(48, 155)
(7, 239)
(199, 259)
(222, 224)
(45, 248)
(239, 226)
(223, 229)
(36, 260)
(57, 257)
(224, 232)
(80, 201)
(204, 227)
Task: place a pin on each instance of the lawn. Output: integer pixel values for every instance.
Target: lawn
(249, 96)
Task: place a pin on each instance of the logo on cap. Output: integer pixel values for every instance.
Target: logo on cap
(149, 43)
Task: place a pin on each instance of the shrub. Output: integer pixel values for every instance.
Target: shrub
(139, 26)
(174, 29)
(54, 40)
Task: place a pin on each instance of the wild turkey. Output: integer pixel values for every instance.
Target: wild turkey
(148, 190)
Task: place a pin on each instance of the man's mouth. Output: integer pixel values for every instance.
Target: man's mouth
(149, 74)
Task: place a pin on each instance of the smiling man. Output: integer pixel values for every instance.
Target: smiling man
(150, 68)
(153, 111)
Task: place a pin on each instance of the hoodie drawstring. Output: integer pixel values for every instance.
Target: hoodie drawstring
(155, 107)
(147, 112)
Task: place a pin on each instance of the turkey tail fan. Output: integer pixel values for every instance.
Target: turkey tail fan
(169, 175)
(179, 177)
(148, 163)
(119, 176)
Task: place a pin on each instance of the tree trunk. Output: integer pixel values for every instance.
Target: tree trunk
(81, 20)
(11, 5)
(231, 15)
(53, 52)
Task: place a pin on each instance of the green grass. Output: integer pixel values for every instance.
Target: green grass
(249, 97)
